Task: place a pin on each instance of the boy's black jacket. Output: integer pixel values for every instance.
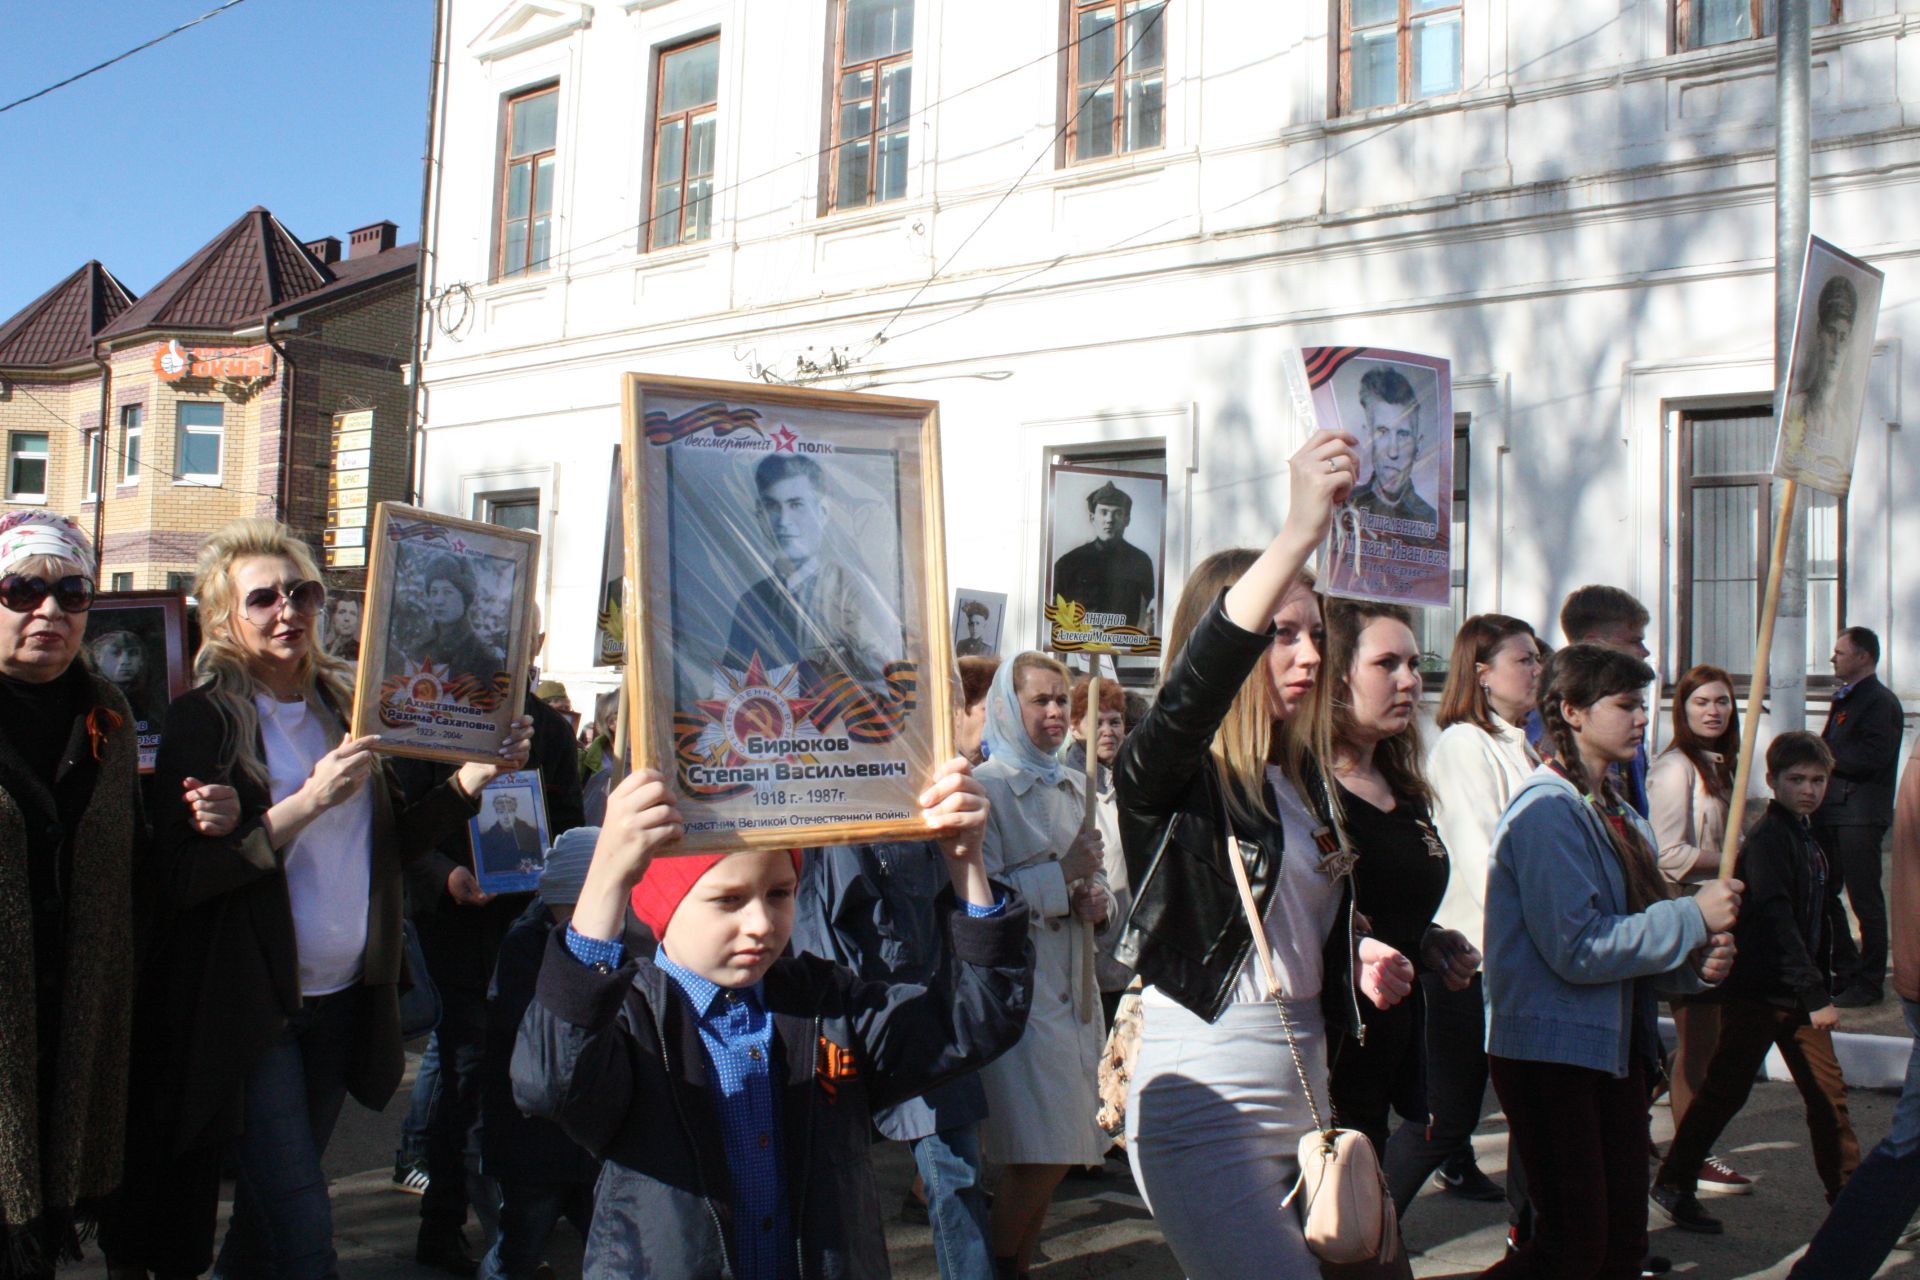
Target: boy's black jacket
(615, 1058)
(1780, 920)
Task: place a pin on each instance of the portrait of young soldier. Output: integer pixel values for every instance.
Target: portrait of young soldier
(1107, 574)
(813, 607)
(1390, 430)
(1814, 411)
(973, 644)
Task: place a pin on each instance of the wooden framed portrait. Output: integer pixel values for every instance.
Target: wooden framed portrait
(137, 641)
(447, 634)
(1106, 558)
(790, 662)
(509, 836)
(977, 619)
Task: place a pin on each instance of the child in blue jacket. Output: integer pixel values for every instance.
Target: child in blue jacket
(730, 1088)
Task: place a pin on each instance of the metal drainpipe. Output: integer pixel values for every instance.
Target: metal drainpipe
(283, 490)
(100, 470)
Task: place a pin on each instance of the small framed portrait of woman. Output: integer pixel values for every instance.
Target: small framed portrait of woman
(788, 647)
(137, 640)
(447, 634)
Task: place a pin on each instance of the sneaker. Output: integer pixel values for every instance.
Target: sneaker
(1718, 1178)
(1682, 1209)
(411, 1178)
(1469, 1184)
(1654, 1265)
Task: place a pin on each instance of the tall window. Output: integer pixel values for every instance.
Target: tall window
(1398, 51)
(526, 181)
(27, 466)
(202, 431)
(1437, 626)
(1117, 74)
(91, 481)
(686, 123)
(130, 416)
(121, 582)
(1726, 540)
(873, 84)
(1698, 24)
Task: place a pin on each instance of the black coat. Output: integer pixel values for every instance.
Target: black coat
(461, 942)
(615, 1057)
(1863, 731)
(1784, 949)
(1187, 933)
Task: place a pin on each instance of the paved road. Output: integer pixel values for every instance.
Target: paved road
(1099, 1227)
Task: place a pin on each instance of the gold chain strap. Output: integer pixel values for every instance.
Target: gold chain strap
(1261, 949)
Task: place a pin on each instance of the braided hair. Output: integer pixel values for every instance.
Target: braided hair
(1580, 675)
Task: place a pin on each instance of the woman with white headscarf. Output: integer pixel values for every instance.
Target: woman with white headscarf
(1041, 1093)
(72, 830)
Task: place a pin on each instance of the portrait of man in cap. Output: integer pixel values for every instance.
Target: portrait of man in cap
(509, 842)
(1390, 433)
(1815, 430)
(1107, 574)
(973, 644)
(813, 607)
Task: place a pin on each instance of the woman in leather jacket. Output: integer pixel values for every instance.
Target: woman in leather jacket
(1216, 1105)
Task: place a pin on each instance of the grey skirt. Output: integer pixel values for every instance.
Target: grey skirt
(1214, 1117)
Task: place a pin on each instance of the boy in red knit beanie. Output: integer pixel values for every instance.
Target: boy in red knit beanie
(730, 1087)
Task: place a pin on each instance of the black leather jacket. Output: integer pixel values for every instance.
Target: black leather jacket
(1187, 933)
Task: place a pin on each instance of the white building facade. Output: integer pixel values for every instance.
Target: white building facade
(1091, 228)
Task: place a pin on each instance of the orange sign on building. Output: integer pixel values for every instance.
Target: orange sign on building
(174, 362)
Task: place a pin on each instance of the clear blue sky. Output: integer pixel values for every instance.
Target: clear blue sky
(314, 108)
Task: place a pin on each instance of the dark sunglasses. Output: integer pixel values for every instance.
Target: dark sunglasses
(305, 597)
(73, 593)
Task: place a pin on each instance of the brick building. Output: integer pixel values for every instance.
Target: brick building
(220, 393)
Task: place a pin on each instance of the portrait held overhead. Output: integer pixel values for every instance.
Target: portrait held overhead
(1393, 539)
(1107, 543)
(448, 634)
(1832, 350)
(510, 835)
(787, 548)
(137, 641)
(977, 618)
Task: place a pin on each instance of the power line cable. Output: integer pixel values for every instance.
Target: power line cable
(102, 66)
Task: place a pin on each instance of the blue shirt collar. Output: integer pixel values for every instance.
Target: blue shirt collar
(700, 992)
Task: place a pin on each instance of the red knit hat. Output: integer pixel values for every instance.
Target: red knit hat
(668, 881)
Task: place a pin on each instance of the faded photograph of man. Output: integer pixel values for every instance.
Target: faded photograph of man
(1390, 431)
(509, 840)
(1815, 431)
(1107, 574)
(813, 607)
(972, 644)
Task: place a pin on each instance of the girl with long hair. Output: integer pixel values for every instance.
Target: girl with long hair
(1216, 1107)
(1580, 927)
(1361, 722)
(1479, 761)
(282, 955)
(1689, 789)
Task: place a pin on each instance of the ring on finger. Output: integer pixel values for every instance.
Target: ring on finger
(1333, 464)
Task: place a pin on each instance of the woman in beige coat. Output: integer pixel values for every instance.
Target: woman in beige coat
(1689, 787)
(1041, 1094)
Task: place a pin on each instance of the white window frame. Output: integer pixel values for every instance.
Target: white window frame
(121, 582)
(132, 427)
(180, 431)
(16, 455)
(93, 463)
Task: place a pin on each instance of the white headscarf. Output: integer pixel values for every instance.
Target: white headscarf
(1006, 732)
(30, 535)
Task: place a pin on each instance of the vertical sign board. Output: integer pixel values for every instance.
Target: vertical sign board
(352, 456)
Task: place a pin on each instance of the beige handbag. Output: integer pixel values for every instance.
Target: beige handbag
(1346, 1213)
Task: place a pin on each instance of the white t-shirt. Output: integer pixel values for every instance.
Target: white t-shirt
(330, 863)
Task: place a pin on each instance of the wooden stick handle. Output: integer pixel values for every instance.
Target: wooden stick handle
(1089, 951)
(1757, 691)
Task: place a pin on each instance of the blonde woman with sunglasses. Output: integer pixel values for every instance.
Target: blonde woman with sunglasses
(283, 955)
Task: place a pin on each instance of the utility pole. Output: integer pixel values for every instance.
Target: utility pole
(1793, 60)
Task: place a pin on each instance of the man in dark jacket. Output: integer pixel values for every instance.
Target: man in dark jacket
(461, 929)
(1863, 730)
(873, 908)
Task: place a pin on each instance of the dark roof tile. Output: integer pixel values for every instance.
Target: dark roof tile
(60, 325)
(253, 265)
